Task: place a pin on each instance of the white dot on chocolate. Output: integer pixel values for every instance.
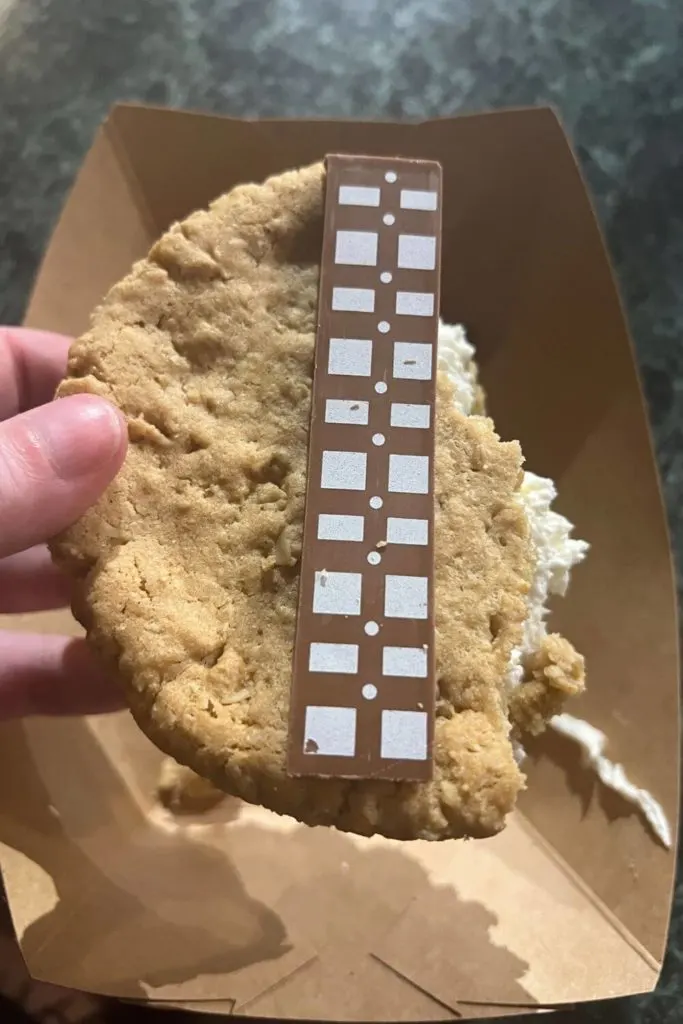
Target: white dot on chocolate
(371, 628)
(376, 502)
(385, 277)
(378, 440)
(383, 326)
(390, 176)
(374, 558)
(381, 387)
(388, 218)
(369, 691)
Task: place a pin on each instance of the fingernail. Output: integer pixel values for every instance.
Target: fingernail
(80, 435)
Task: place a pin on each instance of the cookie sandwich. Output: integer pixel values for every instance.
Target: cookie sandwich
(188, 569)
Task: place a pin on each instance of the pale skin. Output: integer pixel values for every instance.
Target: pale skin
(56, 459)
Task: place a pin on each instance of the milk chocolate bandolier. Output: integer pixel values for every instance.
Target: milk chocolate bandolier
(364, 682)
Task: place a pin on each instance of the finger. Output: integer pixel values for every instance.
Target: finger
(52, 675)
(32, 363)
(55, 462)
(31, 582)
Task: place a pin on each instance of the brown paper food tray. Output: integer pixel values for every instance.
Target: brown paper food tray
(241, 911)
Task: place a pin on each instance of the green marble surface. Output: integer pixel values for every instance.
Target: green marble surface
(611, 67)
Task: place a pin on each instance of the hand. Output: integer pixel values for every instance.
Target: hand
(56, 459)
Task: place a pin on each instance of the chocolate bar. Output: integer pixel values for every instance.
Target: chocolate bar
(363, 684)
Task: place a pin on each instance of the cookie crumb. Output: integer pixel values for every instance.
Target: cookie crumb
(550, 674)
(182, 791)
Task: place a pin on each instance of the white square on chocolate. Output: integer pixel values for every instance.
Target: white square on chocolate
(404, 735)
(417, 252)
(346, 410)
(358, 195)
(343, 471)
(418, 199)
(407, 531)
(356, 248)
(353, 300)
(340, 527)
(409, 474)
(337, 593)
(412, 360)
(410, 662)
(338, 659)
(415, 303)
(330, 731)
(405, 597)
(350, 357)
(408, 415)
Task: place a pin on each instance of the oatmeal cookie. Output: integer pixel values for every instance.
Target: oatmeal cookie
(187, 568)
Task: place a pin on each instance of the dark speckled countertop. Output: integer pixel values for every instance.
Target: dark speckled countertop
(612, 68)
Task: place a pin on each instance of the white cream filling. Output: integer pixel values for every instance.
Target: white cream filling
(556, 555)
(556, 551)
(593, 742)
(456, 360)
